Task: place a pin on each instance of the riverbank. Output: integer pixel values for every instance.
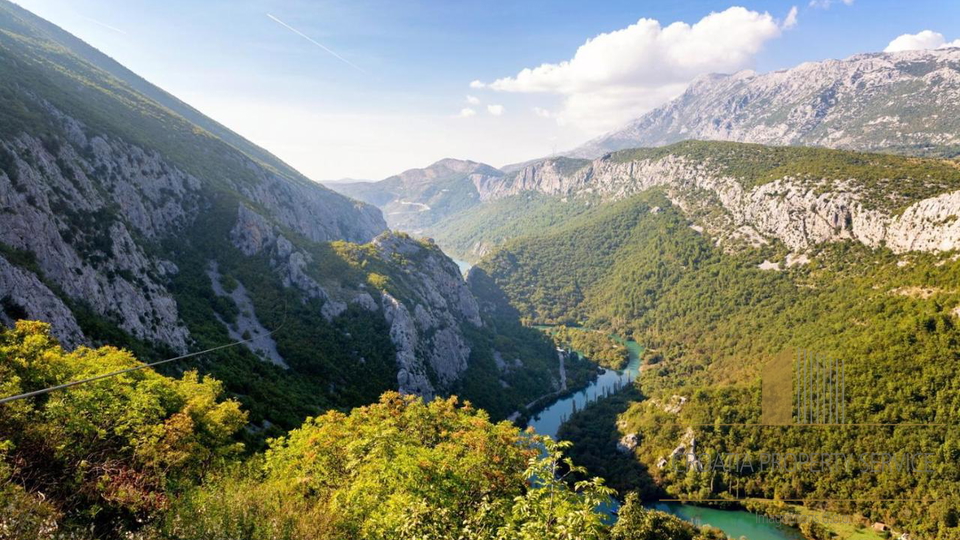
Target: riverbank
(547, 420)
(763, 519)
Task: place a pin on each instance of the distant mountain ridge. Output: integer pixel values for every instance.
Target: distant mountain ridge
(418, 198)
(800, 196)
(905, 102)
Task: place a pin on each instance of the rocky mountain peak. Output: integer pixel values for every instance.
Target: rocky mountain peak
(904, 102)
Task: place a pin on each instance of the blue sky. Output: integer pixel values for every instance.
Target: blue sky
(398, 98)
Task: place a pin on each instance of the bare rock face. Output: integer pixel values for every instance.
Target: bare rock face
(86, 206)
(866, 102)
(311, 209)
(247, 326)
(74, 211)
(254, 234)
(548, 176)
(628, 443)
(799, 213)
(411, 372)
(24, 296)
(427, 331)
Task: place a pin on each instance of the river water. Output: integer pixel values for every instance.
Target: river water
(548, 420)
(734, 523)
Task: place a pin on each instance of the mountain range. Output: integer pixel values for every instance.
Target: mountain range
(418, 198)
(891, 102)
(811, 208)
(883, 102)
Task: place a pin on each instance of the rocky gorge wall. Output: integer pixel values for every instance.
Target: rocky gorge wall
(799, 213)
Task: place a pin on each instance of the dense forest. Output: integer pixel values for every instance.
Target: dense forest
(146, 456)
(713, 319)
(596, 345)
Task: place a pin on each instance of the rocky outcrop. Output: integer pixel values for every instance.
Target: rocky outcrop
(311, 209)
(801, 213)
(86, 206)
(23, 296)
(552, 176)
(628, 443)
(247, 326)
(432, 351)
(72, 204)
(411, 371)
(684, 455)
(870, 101)
(254, 234)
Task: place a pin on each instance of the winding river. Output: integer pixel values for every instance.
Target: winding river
(734, 523)
(548, 420)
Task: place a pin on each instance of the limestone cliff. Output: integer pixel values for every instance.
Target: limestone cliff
(800, 210)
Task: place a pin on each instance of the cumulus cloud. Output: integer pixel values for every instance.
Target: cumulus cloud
(495, 110)
(825, 4)
(467, 112)
(473, 100)
(926, 39)
(619, 75)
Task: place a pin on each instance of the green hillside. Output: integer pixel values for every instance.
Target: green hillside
(469, 233)
(710, 320)
(62, 102)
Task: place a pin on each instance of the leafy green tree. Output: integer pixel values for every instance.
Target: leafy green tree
(400, 468)
(554, 511)
(108, 452)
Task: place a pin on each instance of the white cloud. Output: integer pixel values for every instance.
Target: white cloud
(825, 4)
(467, 112)
(542, 113)
(926, 39)
(617, 76)
(495, 110)
(477, 84)
(473, 100)
(791, 19)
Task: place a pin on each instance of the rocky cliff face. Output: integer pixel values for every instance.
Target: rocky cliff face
(76, 204)
(427, 330)
(905, 101)
(91, 208)
(800, 212)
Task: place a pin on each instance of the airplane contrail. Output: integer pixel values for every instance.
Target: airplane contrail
(105, 25)
(318, 44)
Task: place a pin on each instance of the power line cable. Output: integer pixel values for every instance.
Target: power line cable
(143, 366)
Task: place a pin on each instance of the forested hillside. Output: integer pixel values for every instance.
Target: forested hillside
(711, 319)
